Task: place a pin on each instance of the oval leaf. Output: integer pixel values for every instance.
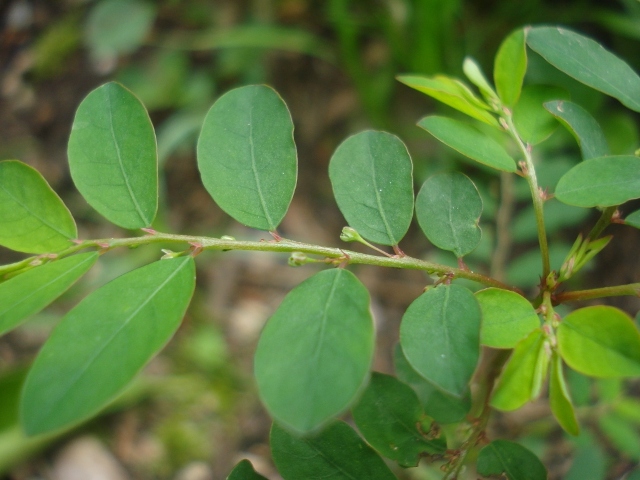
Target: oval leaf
(314, 353)
(511, 459)
(510, 67)
(588, 62)
(33, 219)
(469, 141)
(440, 337)
(390, 418)
(244, 471)
(507, 317)
(533, 122)
(600, 341)
(559, 398)
(448, 208)
(113, 156)
(601, 182)
(102, 343)
(336, 453)
(247, 157)
(31, 291)
(372, 178)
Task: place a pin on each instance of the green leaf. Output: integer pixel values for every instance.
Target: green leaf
(601, 182)
(31, 291)
(113, 156)
(448, 208)
(247, 157)
(560, 399)
(451, 92)
(533, 122)
(588, 62)
(33, 219)
(469, 141)
(512, 460)
(244, 471)
(372, 178)
(440, 337)
(336, 453)
(314, 353)
(507, 317)
(438, 405)
(102, 343)
(621, 433)
(474, 74)
(600, 341)
(582, 126)
(588, 462)
(389, 416)
(633, 219)
(523, 375)
(510, 67)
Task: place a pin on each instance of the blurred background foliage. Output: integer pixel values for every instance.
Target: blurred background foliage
(194, 412)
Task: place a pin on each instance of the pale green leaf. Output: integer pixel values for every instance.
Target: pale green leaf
(533, 123)
(559, 398)
(510, 459)
(474, 74)
(510, 67)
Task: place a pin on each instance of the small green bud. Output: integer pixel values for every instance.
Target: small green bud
(228, 237)
(350, 235)
(297, 259)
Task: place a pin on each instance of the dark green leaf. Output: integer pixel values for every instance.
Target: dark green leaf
(33, 219)
(510, 67)
(582, 126)
(469, 141)
(633, 219)
(314, 353)
(511, 459)
(336, 453)
(448, 208)
(113, 156)
(559, 398)
(102, 343)
(30, 292)
(247, 157)
(390, 417)
(244, 471)
(588, 62)
(440, 337)
(372, 178)
(533, 122)
(600, 341)
(621, 433)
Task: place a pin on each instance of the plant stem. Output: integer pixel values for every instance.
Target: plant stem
(602, 223)
(632, 289)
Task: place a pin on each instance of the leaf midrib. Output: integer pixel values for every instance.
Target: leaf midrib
(254, 169)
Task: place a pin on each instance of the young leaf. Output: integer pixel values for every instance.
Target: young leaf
(102, 343)
(448, 208)
(507, 317)
(600, 341)
(451, 92)
(588, 62)
(31, 291)
(389, 417)
(582, 126)
(247, 157)
(474, 74)
(469, 141)
(601, 182)
(510, 67)
(633, 219)
(113, 156)
(372, 178)
(440, 337)
(533, 122)
(559, 398)
(33, 219)
(244, 471)
(336, 453)
(511, 459)
(314, 353)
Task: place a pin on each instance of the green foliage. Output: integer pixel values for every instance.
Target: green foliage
(512, 459)
(510, 67)
(244, 471)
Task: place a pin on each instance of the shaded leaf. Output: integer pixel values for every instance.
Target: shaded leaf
(244, 471)
(390, 417)
(510, 67)
(314, 353)
(621, 433)
(440, 337)
(372, 178)
(600, 341)
(559, 398)
(469, 142)
(103, 342)
(33, 219)
(113, 156)
(247, 157)
(588, 462)
(633, 219)
(336, 453)
(511, 459)
(533, 122)
(31, 291)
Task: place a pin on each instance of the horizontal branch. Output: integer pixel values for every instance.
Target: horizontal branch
(632, 289)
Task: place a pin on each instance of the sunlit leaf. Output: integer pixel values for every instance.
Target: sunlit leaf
(469, 142)
(244, 471)
(533, 122)
(314, 353)
(510, 67)
(474, 74)
(247, 157)
(372, 178)
(559, 398)
(113, 156)
(102, 343)
(33, 219)
(511, 459)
